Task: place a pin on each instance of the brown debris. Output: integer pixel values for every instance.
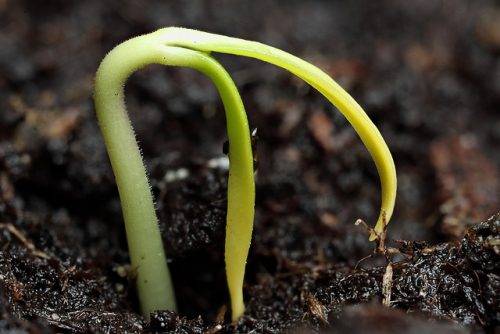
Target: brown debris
(469, 186)
(215, 329)
(315, 307)
(6, 188)
(61, 126)
(322, 130)
(387, 285)
(221, 314)
(423, 58)
(488, 28)
(22, 238)
(40, 125)
(324, 133)
(292, 115)
(329, 219)
(17, 290)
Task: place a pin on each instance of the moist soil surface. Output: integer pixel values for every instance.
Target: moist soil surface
(427, 73)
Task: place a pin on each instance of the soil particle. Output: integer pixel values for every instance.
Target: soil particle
(193, 208)
(63, 294)
(443, 280)
(446, 281)
(171, 322)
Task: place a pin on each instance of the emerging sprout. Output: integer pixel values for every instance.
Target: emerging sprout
(144, 240)
(185, 47)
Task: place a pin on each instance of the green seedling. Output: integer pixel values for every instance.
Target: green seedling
(143, 235)
(367, 131)
(239, 226)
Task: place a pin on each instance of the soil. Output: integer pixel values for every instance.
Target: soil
(427, 73)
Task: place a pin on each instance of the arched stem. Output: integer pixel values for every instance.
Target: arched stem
(367, 131)
(143, 234)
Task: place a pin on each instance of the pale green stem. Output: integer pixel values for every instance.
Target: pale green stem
(241, 187)
(143, 234)
(318, 79)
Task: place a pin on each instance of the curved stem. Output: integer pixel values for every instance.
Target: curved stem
(143, 234)
(318, 79)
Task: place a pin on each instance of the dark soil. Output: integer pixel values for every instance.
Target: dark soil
(427, 72)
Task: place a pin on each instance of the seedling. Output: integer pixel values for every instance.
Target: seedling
(186, 47)
(143, 235)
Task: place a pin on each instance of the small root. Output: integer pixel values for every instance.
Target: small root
(381, 239)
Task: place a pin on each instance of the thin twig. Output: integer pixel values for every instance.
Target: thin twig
(387, 285)
(22, 238)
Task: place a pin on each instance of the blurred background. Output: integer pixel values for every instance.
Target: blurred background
(426, 72)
